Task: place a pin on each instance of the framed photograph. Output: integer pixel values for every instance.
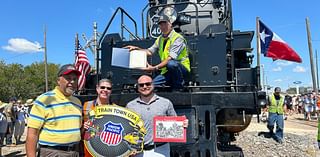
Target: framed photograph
(169, 129)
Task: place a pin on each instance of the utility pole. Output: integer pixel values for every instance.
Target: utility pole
(317, 72)
(45, 57)
(267, 85)
(315, 89)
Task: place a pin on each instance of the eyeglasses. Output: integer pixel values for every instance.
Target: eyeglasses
(142, 84)
(104, 87)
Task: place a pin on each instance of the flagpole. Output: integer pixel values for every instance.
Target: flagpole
(76, 42)
(258, 41)
(76, 47)
(258, 52)
(262, 77)
(317, 72)
(315, 89)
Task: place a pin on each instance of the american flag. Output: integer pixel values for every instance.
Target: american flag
(82, 64)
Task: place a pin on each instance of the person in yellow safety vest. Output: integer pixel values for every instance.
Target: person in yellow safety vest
(276, 108)
(318, 139)
(318, 106)
(104, 89)
(172, 49)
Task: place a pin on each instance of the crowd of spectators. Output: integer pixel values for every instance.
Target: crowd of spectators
(13, 119)
(306, 104)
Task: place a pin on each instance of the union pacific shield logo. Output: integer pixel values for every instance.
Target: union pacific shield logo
(114, 131)
(111, 134)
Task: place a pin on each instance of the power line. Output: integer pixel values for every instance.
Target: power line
(6, 59)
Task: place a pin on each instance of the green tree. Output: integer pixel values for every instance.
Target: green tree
(25, 82)
(2, 80)
(35, 77)
(14, 80)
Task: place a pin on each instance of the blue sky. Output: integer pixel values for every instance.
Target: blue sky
(22, 25)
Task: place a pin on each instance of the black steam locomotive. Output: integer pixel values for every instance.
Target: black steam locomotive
(223, 90)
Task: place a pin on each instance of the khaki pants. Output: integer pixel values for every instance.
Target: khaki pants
(47, 152)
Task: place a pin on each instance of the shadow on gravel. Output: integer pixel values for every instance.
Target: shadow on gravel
(265, 134)
(15, 154)
(269, 135)
(230, 151)
(22, 142)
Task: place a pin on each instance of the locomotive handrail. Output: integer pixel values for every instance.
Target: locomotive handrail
(142, 19)
(125, 27)
(181, 3)
(110, 21)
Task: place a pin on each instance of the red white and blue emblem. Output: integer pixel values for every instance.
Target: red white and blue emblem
(112, 133)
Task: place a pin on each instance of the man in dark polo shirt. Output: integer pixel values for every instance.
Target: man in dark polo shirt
(148, 105)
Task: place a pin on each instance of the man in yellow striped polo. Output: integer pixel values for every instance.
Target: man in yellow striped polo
(55, 118)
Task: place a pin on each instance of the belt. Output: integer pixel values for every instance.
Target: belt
(149, 147)
(64, 148)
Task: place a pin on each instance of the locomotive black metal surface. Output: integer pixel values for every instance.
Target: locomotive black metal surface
(222, 76)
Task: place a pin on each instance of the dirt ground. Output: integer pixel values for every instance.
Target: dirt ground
(16, 151)
(294, 124)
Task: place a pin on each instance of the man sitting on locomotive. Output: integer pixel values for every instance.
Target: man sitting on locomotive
(173, 52)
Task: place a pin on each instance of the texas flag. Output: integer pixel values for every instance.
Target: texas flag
(274, 47)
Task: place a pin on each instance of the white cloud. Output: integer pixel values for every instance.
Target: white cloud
(278, 80)
(299, 69)
(277, 69)
(284, 63)
(21, 45)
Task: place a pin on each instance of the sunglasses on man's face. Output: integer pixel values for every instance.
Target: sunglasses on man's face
(104, 87)
(143, 84)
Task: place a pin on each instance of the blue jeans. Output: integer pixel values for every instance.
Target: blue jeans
(174, 77)
(278, 119)
(9, 133)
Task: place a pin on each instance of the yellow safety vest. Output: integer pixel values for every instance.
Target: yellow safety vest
(319, 130)
(183, 57)
(276, 106)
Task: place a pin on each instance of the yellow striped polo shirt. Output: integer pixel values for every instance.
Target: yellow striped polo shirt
(57, 117)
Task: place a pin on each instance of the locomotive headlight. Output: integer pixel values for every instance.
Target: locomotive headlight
(170, 12)
(262, 102)
(262, 99)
